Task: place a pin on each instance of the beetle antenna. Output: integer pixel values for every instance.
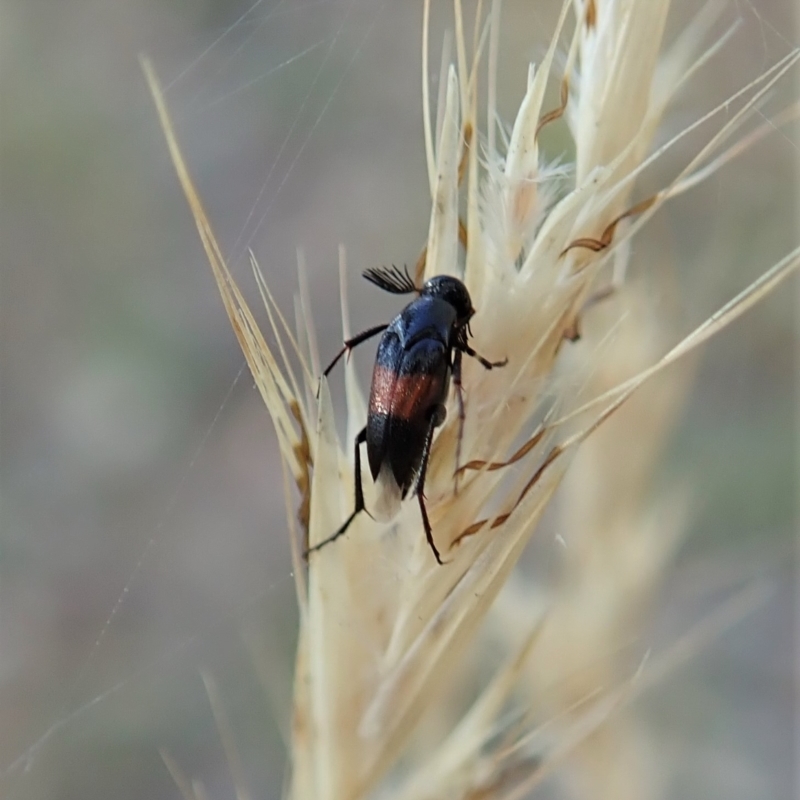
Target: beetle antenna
(391, 279)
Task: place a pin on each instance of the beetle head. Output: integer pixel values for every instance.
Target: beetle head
(452, 291)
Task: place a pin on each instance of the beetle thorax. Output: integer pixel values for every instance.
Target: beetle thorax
(453, 292)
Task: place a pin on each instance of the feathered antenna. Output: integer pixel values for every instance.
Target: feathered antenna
(391, 279)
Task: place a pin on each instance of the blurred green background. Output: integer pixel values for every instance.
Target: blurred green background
(142, 513)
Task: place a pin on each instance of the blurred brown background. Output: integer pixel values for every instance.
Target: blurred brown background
(135, 470)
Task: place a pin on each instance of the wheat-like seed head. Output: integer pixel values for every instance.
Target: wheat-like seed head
(383, 627)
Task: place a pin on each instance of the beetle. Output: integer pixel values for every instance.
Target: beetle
(419, 352)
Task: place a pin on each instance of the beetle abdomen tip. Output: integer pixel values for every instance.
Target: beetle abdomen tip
(388, 496)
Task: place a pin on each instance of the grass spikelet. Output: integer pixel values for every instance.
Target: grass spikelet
(617, 546)
(384, 630)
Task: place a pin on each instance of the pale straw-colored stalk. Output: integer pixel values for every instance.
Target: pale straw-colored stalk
(384, 630)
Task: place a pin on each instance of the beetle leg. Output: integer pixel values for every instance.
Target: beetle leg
(437, 418)
(484, 361)
(354, 342)
(360, 439)
(457, 356)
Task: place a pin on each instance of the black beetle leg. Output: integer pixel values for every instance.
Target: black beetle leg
(484, 361)
(354, 342)
(437, 419)
(360, 439)
(457, 355)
